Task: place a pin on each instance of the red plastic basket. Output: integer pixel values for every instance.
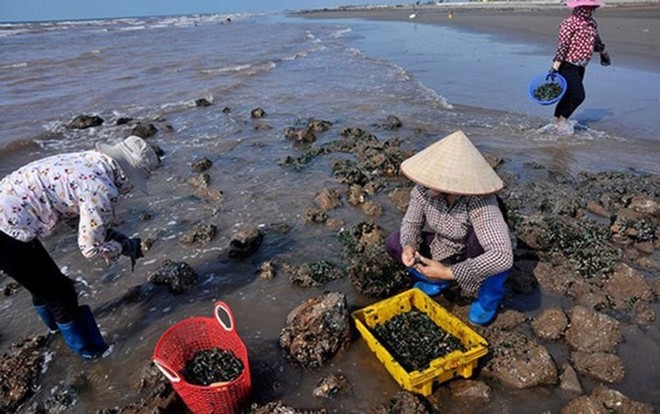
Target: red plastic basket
(179, 344)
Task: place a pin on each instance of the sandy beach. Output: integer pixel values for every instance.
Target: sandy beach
(630, 31)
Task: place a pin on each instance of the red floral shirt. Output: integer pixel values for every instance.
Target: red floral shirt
(578, 38)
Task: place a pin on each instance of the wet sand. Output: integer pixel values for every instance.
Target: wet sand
(630, 31)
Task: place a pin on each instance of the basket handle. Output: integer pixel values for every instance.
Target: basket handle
(167, 371)
(222, 305)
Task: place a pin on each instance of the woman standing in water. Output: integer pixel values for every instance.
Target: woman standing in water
(578, 40)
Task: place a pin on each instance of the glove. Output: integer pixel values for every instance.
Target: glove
(131, 247)
(605, 59)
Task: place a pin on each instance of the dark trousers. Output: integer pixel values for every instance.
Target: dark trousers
(29, 264)
(575, 93)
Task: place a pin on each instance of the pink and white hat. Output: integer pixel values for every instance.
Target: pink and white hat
(584, 3)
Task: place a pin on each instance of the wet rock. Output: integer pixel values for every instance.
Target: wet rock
(201, 102)
(374, 274)
(157, 149)
(201, 165)
(392, 123)
(226, 110)
(643, 314)
(330, 386)
(199, 235)
(200, 181)
(372, 209)
(11, 288)
(360, 237)
(245, 241)
(470, 389)
(123, 121)
(267, 270)
(568, 380)
(20, 368)
(314, 215)
(508, 320)
(304, 135)
(614, 401)
(278, 407)
(158, 395)
(598, 209)
(582, 405)
(645, 205)
(144, 130)
(328, 199)
(262, 127)
(316, 330)
(600, 366)
(63, 400)
(626, 287)
(550, 324)
(555, 279)
(520, 362)
(400, 197)
(334, 223)
(313, 274)
(356, 195)
(319, 125)
(85, 121)
(592, 331)
(404, 402)
(257, 113)
(177, 276)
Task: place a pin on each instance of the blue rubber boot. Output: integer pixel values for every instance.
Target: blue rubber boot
(47, 317)
(484, 309)
(428, 286)
(82, 334)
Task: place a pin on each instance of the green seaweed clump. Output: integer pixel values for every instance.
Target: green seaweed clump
(414, 340)
(548, 91)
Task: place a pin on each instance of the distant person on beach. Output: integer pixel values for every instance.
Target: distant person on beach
(83, 185)
(469, 243)
(578, 40)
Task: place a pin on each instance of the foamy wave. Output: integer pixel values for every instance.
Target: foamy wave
(341, 32)
(248, 69)
(14, 65)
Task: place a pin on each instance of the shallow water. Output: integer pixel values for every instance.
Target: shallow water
(348, 73)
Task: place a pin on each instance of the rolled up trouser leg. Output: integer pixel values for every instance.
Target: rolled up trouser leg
(483, 310)
(82, 334)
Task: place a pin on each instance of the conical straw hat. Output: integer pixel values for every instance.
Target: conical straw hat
(452, 165)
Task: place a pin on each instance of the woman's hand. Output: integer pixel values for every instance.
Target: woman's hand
(431, 269)
(408, 256)
(605, 58)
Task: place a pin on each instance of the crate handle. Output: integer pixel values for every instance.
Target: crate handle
(167, 371)
(222, 305)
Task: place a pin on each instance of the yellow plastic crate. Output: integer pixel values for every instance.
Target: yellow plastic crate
(440, 369)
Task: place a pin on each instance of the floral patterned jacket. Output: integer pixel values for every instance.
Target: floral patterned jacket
(34, 198)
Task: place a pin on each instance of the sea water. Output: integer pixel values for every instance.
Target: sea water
(435, 80)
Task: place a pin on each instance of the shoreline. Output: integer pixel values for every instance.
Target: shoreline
(629, 30)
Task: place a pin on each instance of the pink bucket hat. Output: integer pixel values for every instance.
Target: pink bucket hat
(584, 3)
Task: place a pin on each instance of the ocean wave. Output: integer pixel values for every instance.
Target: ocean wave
(247, 69)
(15, 65)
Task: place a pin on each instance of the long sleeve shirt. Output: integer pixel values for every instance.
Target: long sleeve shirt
(452, 226)
(578, 38)
(34, 198)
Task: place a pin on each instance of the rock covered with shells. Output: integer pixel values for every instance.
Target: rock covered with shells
(316, 330)
(178, 277)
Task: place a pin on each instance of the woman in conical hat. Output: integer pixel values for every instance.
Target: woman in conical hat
(469, 245)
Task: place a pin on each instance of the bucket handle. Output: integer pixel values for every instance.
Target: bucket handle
(222, 305)
(167, 371)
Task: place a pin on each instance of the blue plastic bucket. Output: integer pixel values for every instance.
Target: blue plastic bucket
(542, 79)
